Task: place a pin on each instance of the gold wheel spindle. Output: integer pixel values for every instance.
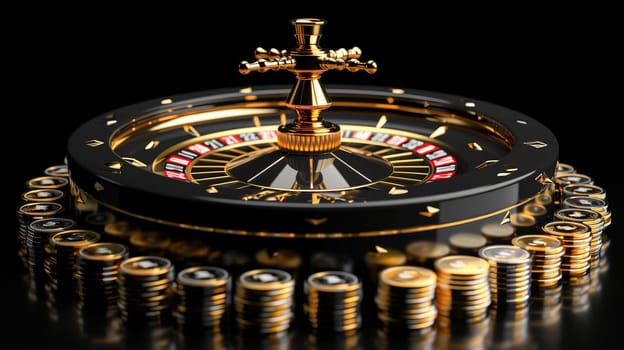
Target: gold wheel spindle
(309, 133)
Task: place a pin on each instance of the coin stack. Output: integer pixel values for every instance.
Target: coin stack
(498, 233)
(463, 288)
(60, 261)
(26, 214)
(202, 297)
(37, 238)
(546, 256)
(150, 242)
(97, 269)
(145, 287)
(592, 203)
(510, 274)
(405, 298)
(596, 224)
(576, 239)
(332, 301)
(466, 243)
(264, 301)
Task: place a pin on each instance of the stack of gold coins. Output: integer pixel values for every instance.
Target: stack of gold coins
(510, 274)
(61, 254)
(97, 268)
(202, 297)
(498, 233)
(332, 301)
(381, 258)
(466, 243)
(425, 252)
(149, 242)
(37, 238)
(591, 203)
(120, 231)
(326, 261)
(145, 288)
(405, 296)
(44, 195)
(576, 239)
(463, 288)
(596, 224)
(546, 255)
(523, 223)
(26, 214)
(188, 252)
(264, 301)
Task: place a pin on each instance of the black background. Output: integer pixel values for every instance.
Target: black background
(560, 66)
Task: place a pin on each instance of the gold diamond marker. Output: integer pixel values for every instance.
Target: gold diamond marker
(94, 143)
(431, 211)
(536, 144)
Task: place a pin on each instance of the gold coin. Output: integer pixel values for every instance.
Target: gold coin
(203, 276)
(265, 279)
(458, 265)
(104, 251)
(145, 266)
(497, 230)
(407, 277)
(538, 243)
(505, 254)
(467, 240)
(423, 250)
(74, 238)
(332, 282)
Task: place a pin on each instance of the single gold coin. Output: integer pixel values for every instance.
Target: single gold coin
(407, 277)
(505, 254)
(462, 265)
(467, 240)
(423, 250)
(540, 243)
(145, 266)
(332, 282)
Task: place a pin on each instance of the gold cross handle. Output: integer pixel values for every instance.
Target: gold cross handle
(309, 133)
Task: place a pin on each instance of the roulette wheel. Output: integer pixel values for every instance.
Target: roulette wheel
(308, 167)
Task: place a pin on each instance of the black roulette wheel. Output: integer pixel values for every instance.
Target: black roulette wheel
(379, 162)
